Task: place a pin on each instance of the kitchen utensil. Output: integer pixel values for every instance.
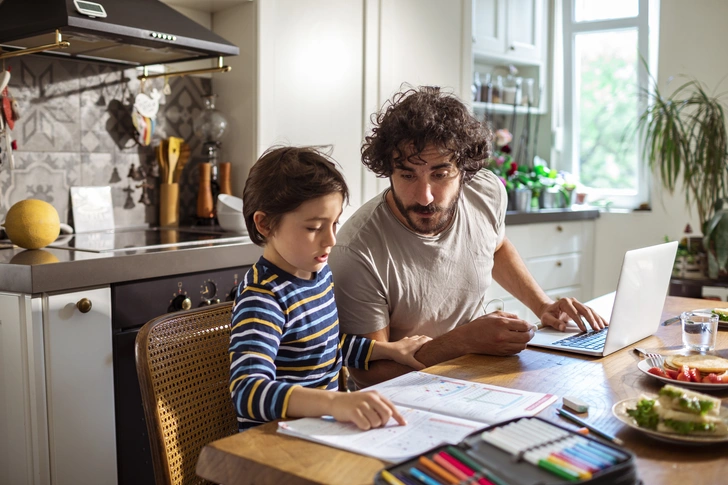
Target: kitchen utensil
(655, 360)
(225, 184)
(163, 162)
(173, 150)
(184, 156)
(205, 207)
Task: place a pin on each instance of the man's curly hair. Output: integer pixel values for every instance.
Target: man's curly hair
(419, 117)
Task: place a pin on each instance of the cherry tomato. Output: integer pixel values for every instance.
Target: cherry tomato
(656, 371)
(672, 374)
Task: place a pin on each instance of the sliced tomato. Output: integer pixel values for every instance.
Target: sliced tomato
(682, 377)
(694, 375)
(710, 378)
(672, 374)
(656, 371)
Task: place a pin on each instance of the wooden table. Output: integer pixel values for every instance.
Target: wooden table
(261, 456)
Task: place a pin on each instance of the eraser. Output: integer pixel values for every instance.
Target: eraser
(576, 404)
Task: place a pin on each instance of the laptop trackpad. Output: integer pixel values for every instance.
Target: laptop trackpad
(549, 335)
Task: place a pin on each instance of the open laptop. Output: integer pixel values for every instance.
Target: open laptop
(633, 311)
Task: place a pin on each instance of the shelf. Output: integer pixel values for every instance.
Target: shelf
(506, 108)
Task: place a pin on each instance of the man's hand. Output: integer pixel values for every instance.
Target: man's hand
(498, 333)
(558, 313)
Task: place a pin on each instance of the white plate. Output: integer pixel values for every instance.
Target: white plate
(620, 412)
(698, 386)
(721, 324)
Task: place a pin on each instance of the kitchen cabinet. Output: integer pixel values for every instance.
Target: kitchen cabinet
(559, 255)
(512, 30)
(57, 417)
(313, 72)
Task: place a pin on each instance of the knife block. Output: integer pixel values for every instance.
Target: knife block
(169, 205)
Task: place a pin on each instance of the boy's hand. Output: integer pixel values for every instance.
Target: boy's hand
(366, 409)
(403, 351)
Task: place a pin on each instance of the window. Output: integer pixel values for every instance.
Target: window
(603, 47)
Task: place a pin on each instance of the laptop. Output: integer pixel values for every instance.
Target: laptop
(633, 311)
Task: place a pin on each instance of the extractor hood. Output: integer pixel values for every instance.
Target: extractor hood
(132, 32)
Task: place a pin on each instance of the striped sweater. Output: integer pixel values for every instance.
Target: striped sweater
(285, 332)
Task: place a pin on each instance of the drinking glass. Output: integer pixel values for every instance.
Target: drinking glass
(699, 330)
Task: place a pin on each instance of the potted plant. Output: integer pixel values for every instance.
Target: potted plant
(685, 142)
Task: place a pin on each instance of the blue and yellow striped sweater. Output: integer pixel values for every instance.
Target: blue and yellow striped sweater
(285, 332)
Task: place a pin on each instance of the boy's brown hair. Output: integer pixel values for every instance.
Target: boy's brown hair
(282, 179)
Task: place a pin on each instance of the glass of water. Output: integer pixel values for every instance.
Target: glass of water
(699, 330)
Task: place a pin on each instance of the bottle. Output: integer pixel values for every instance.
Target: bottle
(477, 86)
(486, 91)
(205, 200)
(224, 177)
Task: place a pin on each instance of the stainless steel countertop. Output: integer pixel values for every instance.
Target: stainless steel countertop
(49, 269)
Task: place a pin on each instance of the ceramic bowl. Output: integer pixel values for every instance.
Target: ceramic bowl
(232, 222)
(229, 203)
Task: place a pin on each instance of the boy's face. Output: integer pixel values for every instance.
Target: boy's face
(425, 191)
(303, 239)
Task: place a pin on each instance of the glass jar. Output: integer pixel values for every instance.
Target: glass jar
(210, 124)
(498, 90)
(512, 90)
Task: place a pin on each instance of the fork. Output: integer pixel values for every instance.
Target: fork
(655, 360)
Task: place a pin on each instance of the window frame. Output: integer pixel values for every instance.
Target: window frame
(647, 40)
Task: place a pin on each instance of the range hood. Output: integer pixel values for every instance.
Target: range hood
(134, 32)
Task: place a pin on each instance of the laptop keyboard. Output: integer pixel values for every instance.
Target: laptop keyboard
(592, 340)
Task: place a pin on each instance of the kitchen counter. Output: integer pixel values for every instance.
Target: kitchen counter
(552, 215)
(53, 269)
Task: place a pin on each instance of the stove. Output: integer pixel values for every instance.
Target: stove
(146, 239)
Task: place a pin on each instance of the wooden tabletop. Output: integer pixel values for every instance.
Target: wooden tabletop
(261, 456)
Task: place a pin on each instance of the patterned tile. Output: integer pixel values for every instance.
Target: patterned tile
(76, 130)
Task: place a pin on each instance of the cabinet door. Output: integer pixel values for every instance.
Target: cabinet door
(80, 384)
(525, 29)
(489, 26)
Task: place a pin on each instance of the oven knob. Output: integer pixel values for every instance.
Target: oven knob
(212, 301)
(180, 302)
(233, 293)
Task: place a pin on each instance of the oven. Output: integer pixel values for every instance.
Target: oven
(134, 304)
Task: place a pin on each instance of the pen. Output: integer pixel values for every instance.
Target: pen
(590, 427)
(438, 470)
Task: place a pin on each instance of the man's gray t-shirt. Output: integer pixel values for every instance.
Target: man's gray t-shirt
(386, 274)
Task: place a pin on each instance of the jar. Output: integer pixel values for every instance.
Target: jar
(512, 90)
(527, 93)
(486, 91)
(497, 90)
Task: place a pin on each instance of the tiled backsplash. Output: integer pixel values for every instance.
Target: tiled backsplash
(75, 129)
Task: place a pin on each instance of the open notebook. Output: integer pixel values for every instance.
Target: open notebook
(633, 311)
(437, 409)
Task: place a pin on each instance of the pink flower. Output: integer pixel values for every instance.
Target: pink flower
(503, 137)
(502, 180)
(500, 160)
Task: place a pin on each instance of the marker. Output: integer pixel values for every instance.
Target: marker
(438, 470)
(449, 467)
(391, 479)
(422, 477)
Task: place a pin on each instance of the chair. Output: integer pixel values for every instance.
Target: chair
(183, 367)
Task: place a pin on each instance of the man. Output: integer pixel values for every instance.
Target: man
(418, 258)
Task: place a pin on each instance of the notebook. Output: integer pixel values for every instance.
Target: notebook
(633, 311)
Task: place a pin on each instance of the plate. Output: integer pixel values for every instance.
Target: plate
(698, 386)
(619, 410)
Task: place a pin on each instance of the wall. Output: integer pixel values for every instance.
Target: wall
(75, 130)
(691, 36)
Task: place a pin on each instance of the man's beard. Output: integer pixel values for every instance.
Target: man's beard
(431, 225)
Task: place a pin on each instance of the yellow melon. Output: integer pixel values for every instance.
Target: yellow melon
(32, 224)
(33, 256)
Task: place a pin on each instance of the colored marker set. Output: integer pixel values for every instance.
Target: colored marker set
(523, 451)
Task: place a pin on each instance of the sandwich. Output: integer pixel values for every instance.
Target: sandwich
(722, 314)
(681, 411)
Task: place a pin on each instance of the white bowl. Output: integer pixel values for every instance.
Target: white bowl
(232, 222)
(227, 203)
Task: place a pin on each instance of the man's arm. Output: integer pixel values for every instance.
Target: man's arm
(511, 273)
(497, 333)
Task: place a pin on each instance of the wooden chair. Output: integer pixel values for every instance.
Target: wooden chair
(183, 367)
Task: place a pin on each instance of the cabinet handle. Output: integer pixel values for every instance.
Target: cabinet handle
(559, 228)
(558, 264)
(84, 305)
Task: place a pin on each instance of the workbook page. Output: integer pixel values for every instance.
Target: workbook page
(464, 399)
(393, 443)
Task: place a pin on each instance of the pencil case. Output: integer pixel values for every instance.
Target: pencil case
(521, 451)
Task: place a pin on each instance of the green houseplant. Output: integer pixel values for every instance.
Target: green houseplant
(685, 143)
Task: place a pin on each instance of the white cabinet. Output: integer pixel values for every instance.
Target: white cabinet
(559, 255)
(56, 390)
(513, 30)
(80, 383)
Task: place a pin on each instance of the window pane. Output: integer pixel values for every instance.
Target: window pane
(587, 10)
(606, 104)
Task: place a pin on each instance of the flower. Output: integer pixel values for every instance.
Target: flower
(503, 137)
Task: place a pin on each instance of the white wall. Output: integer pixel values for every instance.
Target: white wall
(693, 37)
